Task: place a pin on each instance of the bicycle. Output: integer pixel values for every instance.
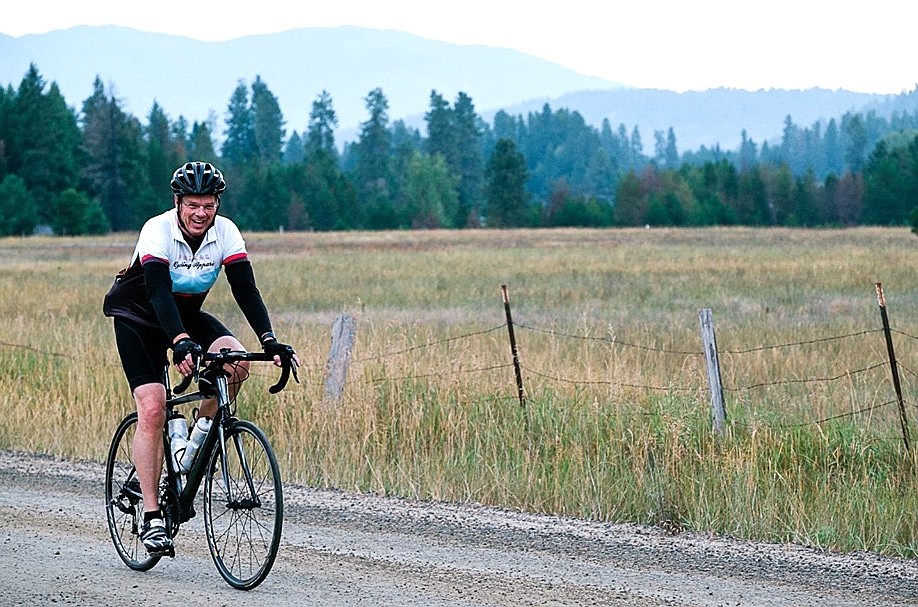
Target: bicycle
(243, 495)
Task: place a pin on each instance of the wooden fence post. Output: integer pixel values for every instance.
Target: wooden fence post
(344, 332)
(709, 342)
(513, 350)
(903, 420)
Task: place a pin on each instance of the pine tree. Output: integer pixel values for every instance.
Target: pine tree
(505, 191)
(18, 210)
(467, 164)
(201, 143)
(75, 214)
(268, 123)
(162, 153)
(441, 136)
(115, 158)
(320, 134)
(44, 141)
(239, 147)
(373, 173)
(430, 192)
(671, 150)
(7, 96)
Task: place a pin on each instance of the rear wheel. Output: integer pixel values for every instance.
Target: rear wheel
(243, 506)
(123, 499)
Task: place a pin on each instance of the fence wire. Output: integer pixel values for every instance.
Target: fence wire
(413, 349)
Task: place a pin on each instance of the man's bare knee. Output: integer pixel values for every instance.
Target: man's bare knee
(151, 407)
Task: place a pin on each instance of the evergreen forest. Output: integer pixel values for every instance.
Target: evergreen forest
(97, 169)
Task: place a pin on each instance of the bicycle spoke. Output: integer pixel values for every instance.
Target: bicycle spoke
(243, 506)
(123, 500)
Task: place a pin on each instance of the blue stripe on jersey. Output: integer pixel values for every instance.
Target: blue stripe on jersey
(200, 282)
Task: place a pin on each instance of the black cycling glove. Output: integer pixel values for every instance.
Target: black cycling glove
(183, 348)
(271, 346)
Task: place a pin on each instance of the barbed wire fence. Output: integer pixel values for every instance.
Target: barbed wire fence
(343, 343)
(708, 351)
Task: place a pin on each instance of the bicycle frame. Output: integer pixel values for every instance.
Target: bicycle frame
(186, 491)
(185, 495)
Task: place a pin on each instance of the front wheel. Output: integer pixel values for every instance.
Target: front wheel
(123, 499)
(243, 506)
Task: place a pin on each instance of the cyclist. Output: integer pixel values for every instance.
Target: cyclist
(156, 304)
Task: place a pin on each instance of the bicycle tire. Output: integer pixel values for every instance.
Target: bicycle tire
(243, 519)
(123, 499)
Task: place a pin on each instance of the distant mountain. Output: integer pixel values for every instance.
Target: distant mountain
(709, 117)
(190, 78)
(193, 78)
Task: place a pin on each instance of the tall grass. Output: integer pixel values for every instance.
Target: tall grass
(616, 423)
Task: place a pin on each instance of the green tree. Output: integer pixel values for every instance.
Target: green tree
(752, 200)
(329, 200)
(505, 190)
(163, 153)
(114, 146)
(201, 143)
(320, 134)
(239, 147)
(44, 141)
(7, 96)
(405, 141)
(18, 210)
(430, 193)
(671, 150)
(748, 154)
(294, 150)
(441, 136)
(180, 138)
(373, 174)
(601, 177)
(891, 183)
(75, 214)
(467, 165)
(782, 194)
(834, 150)
(630, 202)
(268, 123)
(856, 135)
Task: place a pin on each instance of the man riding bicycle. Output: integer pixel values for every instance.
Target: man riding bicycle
(156, 305)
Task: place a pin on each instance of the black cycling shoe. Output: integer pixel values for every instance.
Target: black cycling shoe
(156, 539)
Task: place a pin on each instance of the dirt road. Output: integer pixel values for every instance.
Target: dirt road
(348, 549)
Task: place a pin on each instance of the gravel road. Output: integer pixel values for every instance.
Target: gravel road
(349, 549)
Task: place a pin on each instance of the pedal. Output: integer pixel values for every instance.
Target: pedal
(170, 552)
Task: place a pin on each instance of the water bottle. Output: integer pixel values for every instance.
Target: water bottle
(178, 438)
(200, 430)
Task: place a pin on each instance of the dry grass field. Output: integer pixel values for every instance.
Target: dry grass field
(616, 423)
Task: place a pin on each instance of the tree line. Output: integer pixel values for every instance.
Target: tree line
(99, 169)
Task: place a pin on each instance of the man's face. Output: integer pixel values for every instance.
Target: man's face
(196, 213)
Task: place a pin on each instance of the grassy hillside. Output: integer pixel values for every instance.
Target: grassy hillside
(616, 420)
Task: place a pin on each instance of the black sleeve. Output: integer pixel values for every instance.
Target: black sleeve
(242, 282)
(159, 290)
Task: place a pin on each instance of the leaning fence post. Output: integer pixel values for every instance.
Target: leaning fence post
(709, 341)
(344, 331)
(513, 350)
(903, 421)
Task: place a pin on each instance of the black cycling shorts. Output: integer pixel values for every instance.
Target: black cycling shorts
(144, 350)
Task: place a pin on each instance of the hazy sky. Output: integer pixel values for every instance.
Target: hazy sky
(670, 44)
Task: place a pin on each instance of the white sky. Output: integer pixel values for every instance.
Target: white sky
(669, 44)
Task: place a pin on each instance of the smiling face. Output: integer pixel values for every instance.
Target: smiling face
(196, 213)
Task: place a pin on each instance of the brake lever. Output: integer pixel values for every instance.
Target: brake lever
(186, 381)
(288, 366)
